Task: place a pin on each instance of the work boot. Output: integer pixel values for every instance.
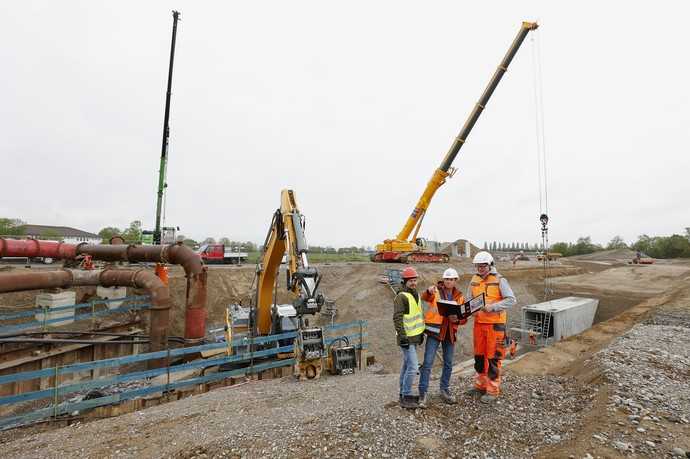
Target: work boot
(474, 392)
(423, 399)
(447, 397)
(409, 402)
(488, 398)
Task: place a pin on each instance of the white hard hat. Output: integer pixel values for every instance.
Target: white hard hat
(450, 273)
(483, 257)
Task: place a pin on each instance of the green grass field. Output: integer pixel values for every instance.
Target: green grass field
(320, 257)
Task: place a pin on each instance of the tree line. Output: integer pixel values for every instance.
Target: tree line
(496, 246)
(674, 246)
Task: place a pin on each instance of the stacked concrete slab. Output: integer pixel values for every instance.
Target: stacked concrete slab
(48, 301)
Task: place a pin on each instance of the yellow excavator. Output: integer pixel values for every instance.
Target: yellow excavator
(406, 249)
(285, 240)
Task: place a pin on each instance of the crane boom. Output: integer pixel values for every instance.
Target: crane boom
(162, 170)
(391, 249)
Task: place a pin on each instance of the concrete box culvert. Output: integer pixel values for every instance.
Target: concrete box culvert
(568, 316)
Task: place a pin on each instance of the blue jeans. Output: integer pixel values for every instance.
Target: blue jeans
(409, 368)
(429, 356)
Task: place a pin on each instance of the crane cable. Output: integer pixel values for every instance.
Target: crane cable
(541, 160)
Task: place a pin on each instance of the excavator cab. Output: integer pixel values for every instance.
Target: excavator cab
(284, 320)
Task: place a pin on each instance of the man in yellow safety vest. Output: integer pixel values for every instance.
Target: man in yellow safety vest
(409, 328)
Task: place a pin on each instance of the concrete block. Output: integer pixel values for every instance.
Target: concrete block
(111, 293)
(569, 316)
(55, 300)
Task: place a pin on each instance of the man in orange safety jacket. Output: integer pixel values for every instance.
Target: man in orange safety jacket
(489, 331)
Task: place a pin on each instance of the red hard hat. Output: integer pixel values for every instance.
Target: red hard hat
(409, 273)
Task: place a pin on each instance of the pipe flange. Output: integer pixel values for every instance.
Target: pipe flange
(77, 250)
(164, 255)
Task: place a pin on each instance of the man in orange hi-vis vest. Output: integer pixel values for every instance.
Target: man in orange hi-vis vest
(489, 326)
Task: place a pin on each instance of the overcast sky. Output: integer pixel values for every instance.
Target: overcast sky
(351, 104)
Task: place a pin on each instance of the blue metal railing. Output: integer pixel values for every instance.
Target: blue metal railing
(57, 391)
(134, 303)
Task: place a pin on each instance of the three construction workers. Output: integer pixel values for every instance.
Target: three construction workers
(440, 331)
(490, 342)
(409, 328)
(489, 333)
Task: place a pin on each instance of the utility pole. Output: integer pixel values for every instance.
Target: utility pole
(162, 185)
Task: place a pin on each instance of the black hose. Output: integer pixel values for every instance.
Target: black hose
(340, 338)
(68, 341)
(136, 335)
(84, 341)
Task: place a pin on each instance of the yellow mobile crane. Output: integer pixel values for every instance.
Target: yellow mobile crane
(408, 249)
(285, 238)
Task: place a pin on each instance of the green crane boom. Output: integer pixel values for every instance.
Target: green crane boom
(162, 185)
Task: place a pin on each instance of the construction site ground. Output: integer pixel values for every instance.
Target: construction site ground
(617, 390)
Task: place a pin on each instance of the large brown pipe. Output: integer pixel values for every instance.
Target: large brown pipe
(137, 278)
(33, 248)
(177, 254)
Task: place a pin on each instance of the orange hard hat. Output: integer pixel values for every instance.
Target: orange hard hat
(409, 273)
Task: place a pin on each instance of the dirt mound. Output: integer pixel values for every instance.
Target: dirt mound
(357, 293)
(607, 255)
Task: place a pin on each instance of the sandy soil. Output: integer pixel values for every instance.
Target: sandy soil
(559, 397)
(359, 295)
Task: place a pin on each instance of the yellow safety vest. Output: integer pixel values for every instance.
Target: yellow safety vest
(413, 321)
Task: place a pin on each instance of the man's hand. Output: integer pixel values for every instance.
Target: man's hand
(432, 290)
(404, 342)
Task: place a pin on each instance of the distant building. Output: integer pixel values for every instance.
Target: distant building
(459, 248)
(61, 233)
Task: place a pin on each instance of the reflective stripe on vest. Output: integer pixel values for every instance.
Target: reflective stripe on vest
(413, 322)
(490, 287)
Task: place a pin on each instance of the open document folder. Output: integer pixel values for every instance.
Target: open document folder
(462, 310)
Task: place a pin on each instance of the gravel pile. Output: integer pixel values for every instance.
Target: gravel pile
(534, 411)
(648, 370)
(350, 416)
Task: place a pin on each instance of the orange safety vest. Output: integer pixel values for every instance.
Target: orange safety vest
(492, 294)
(432, 318)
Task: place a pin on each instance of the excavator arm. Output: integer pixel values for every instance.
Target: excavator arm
(403, 242)
(286, 238)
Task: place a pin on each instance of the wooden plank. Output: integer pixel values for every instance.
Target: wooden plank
(82, 386)
(65, 408)
(141, 357)
(59, 350)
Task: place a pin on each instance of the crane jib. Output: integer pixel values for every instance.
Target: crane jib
(391, 249)
(484, 99)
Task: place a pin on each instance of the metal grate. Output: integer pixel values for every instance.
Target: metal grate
(392, 278)
(532, 328)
